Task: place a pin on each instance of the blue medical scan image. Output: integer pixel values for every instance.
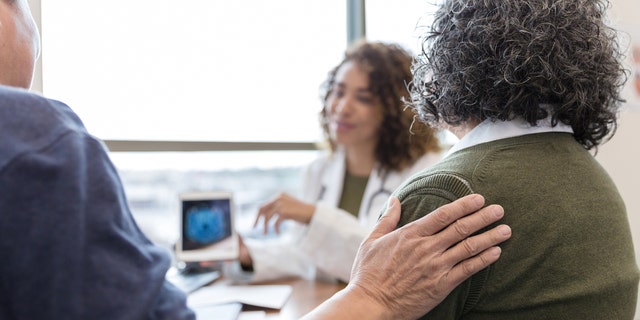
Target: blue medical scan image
(205, 223)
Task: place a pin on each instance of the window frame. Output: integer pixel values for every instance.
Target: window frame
(355, 30)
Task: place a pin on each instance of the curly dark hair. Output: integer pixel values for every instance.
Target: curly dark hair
(402, 140)
(500, 60)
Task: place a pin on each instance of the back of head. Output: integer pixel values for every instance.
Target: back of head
(529, 59)
(402, 140)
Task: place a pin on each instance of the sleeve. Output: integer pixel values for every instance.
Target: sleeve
(280, 257)
(71, 248)
(329, 243)
(418, 202)
(273, 259)
(332, 241)
(312, 187)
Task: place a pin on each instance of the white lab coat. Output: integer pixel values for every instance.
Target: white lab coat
(332, 238)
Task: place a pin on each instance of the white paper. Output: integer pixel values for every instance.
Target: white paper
(229, 311)
(265, 296)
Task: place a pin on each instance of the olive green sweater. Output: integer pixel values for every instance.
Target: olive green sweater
(570, 256)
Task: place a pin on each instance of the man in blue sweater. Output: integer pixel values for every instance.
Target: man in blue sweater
(71, 249)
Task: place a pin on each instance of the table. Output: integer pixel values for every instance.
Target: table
(306, 295)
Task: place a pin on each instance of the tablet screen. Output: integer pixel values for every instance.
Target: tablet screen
(206, 227)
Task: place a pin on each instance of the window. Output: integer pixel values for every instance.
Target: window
(400, 21)
(194, 70)
(197, 70)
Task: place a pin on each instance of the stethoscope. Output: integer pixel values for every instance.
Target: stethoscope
(382, 191)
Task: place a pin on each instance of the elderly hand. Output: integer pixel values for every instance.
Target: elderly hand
(283, 207)
(405, 273)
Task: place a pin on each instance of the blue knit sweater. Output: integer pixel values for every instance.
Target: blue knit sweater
(70, 247)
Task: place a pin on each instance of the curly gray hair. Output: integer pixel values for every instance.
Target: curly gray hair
(498, 60)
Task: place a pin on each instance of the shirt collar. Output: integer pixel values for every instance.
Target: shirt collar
(495, 130)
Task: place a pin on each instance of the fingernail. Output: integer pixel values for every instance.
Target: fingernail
(478, 200)
(495, 251)
(504, 230)
(390, 203)
(498, 212)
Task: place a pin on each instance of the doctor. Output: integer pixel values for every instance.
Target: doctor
(374, 145)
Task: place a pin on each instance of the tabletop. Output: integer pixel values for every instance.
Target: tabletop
(306, 295)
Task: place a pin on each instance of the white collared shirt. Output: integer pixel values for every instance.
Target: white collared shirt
(490, 131)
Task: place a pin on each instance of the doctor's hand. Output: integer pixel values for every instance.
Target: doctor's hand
(283, 207)
(404, 273)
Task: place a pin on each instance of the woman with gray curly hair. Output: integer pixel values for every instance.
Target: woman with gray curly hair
(529, 87)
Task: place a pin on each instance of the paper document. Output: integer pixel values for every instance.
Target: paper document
(265, 296)
(229, 311)
(191, 282)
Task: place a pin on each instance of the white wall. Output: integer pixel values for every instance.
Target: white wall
(621, 155)
(36, 84)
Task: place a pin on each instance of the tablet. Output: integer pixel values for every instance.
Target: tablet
(206, 227)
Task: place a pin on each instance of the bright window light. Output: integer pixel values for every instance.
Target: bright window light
(399, 21)
(199, 70)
